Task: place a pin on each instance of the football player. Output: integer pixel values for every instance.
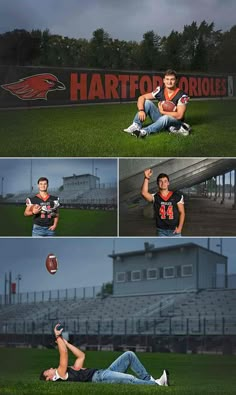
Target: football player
(44, 208)
(172, 121)
(168, 206)
(115, 373)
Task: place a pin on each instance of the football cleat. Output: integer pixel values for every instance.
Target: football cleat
(141, 133)
(183, 130)
(132, 128)
(173, 129)
(186, 126)
(164, 379)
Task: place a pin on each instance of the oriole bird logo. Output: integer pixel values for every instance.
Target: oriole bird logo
(34, 87)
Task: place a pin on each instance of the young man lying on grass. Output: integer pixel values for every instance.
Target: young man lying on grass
(115, 373)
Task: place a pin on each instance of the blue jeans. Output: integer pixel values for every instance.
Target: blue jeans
(116, 371)
(167, 233)
(42, 231)
(159, 121)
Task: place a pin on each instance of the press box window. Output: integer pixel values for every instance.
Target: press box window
(187, 270)
(136, 276)
(151, 274)
(120, 277)
(169, 272)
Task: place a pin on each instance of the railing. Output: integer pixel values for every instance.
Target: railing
(53, 295)
(167, 326)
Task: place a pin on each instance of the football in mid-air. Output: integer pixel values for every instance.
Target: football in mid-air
(51, 263)
(168, 106)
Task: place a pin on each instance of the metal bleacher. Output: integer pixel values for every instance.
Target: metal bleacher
(204, 312)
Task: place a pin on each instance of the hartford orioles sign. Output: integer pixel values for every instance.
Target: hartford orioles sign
(65, 86)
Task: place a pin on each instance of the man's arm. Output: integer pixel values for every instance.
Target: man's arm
(178, 114)
(80, 355)
(144, 190)
(181, 210)
(63, 362)
(140, 105)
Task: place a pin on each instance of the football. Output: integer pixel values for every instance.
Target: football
(168, 105)
(59, 327)
(51, 263)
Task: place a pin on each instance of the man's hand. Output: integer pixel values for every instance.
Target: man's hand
(142, 116)
(36, 209)
(53, 227)
(177, 230)
(148, 173)
(58, 332)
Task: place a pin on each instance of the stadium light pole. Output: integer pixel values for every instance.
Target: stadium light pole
(93, 167)
(208, 243)
(10, 290)
(5, 288)
(18, 278)
(2, 186)
(114, 246)
(220, 245)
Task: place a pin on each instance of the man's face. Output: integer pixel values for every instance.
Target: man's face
(163, 183)
(43, 186)
(49, 374)
(170, 81)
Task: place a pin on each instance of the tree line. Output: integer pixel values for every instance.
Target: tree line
(198, 48)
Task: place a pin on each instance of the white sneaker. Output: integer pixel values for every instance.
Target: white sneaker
(132, 128)
(163, 380)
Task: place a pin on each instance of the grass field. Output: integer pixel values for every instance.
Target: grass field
(189, 374)
(72, 222)
(93, 131)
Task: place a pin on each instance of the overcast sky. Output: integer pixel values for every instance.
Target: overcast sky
(122, 19)
(82, 261)
(16, 172)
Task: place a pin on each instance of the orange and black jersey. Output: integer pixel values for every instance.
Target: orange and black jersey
(166, 209)
(178, 97)
(48, 212)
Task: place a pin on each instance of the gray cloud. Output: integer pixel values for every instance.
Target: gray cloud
(123, 19)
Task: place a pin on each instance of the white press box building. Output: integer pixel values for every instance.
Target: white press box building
(83, 182)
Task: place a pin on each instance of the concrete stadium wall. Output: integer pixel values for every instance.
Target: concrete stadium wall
(47, 86)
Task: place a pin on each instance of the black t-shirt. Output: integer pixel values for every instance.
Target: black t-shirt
(166, 209)
(81, 375)
(49, 210)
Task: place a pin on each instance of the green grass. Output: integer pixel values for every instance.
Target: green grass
(97, 131)
(190, 374)
(72, 222)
